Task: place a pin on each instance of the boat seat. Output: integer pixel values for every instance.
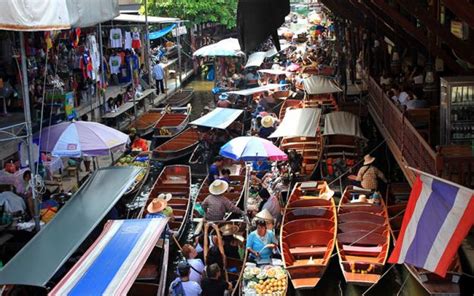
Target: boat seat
(361, 259)
(149, 272)
(302, 262)
(369, 251)
(308, 251)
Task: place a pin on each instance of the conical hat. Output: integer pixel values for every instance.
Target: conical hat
(265, 215)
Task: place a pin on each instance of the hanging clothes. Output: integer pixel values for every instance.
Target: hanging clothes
(115, 38)
(128, 40)
(136, 43)
(86, 66)
(114, 62)
(91, 44)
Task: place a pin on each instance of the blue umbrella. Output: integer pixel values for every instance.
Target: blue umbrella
(251, 149)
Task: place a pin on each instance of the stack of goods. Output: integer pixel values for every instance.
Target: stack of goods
(265, 281)
(139, 161)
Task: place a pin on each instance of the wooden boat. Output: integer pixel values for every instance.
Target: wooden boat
(431, 282)
(310, 148)
(174, 179)
(363, 238)
(326, 102)
(200, 160)
(289, 103)
(180, 98)
(128, 258)
(308, 233)
(145, 123)
(181, 145)
(173, 121)
(233, 267)
(235, 194)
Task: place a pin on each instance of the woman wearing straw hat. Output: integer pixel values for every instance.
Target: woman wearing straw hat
(158, 207)
(216, 205)
(368, 174)
(267, 127)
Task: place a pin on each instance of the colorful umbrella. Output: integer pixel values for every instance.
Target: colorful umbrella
(251, 149)
(81, 138)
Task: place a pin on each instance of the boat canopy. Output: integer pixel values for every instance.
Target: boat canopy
(299, 122)
(41, 258)
(135, 18)
(254, 90)
(316, 84)
(47, 15)
(111, 265)
(256, 59)
(342, 123)
(218, 118)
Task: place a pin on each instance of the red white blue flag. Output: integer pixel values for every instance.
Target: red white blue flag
(437, 218)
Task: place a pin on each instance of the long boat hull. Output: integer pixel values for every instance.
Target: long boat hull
(171, 123)
(174, 179)
(363, 238)
(180, 146)
(180, 98)
(308, 233)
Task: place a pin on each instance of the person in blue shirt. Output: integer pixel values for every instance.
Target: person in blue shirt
(159, 75)
(261, 167)
(261, 242)
(267, 127)
(225, 175)
(214, 169)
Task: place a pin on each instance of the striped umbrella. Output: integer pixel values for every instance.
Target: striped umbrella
(252, 149)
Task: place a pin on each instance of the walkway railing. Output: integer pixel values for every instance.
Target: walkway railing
(407, 145)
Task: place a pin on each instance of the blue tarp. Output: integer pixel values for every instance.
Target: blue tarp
(218, 118)
(161, 33)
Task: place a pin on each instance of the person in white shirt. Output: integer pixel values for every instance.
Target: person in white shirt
(197, 266)
(400, 96)
(182, 285)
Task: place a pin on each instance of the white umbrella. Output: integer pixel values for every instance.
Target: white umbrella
(229, 47)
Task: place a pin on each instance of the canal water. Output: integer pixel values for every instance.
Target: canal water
(397, 280)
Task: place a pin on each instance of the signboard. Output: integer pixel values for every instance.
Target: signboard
(460, 30)
(181, 30)
(69, 106)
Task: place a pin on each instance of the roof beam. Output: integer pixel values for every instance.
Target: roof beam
(461, 47)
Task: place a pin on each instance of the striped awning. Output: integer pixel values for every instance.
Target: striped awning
(111, 265)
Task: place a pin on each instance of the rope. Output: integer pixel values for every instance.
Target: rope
(402, 286)
(357, 163)
(373, 285)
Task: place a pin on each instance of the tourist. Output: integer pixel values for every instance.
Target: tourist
(230, 243)
(225, 175)
(267, 127)
(216, 205)
(223, 101)
(368, 174)
(213, 285)
(399, 95)
(182, 285)
(197, 266)
(214, 169)
(129, 94)
(261, 242)
(159, 75)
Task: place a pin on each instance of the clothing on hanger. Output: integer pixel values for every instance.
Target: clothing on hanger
(128, 40)
(115, 38)
(136, 43)
(114, 62)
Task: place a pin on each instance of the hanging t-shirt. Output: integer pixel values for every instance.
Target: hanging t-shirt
(136, 44)
(91, 44)
(116, 38)
(128, 40)
(115, 61)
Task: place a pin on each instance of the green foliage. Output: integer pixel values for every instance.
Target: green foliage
(196, 11)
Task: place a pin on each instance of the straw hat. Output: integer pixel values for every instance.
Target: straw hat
(223, 97)
(218, 187)
(229, 229)
(159, 203)
(265, 215)
(368, 159)
(268, 121)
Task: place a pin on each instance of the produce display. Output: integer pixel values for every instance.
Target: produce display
(139, 161)
(265, 281)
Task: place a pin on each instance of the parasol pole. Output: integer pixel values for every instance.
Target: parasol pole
(247, 184)
(29, 134)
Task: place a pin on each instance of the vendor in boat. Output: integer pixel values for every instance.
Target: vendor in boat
(225, 175)
(261, 242)
(267, 127)
(216, 205)
(261, 167)
(214, 169)
(223, 101)
(368, 174)
(137, 143)
(270, 203)
(158, 207)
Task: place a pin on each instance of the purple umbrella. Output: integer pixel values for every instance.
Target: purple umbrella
(81, 138)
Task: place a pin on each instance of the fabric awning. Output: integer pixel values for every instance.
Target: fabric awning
(113, 262)
(218, 118)
(47, 15)
(251, 91)
(342, 123)
(161, 33)
(300, 122)
(315, 85)
(41, 258)
(136, 18)
(256, 59)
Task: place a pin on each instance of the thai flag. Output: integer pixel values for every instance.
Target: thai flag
(437, 218)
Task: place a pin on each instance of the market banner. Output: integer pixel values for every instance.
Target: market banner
(69, 106)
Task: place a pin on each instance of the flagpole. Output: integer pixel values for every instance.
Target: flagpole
(438, 178)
